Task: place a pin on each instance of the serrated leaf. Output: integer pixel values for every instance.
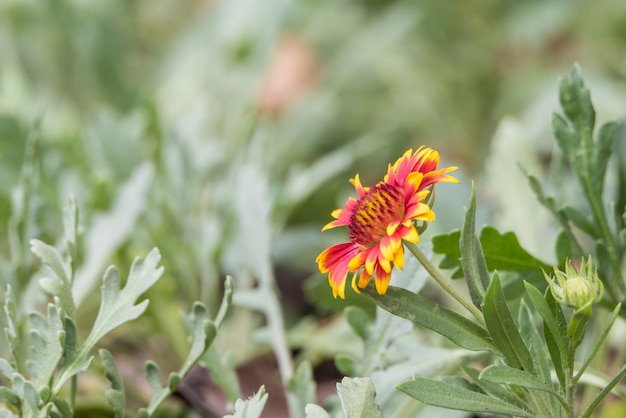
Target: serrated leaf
(47, 338)
(250, 408)
(501, 251)
(203, 333)
(358, 398)
(301, 389)
(503, 329)
(6, 369)
(60, 284)
(575, 135)
(428, 314)
(118, 304)
(472, 257)
(116, 395)
(26, 391)
(450, 396)
(51, 257)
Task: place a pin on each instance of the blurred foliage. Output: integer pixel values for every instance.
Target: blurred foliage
(150, 111)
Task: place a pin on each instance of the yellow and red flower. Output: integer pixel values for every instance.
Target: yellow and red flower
(380, 219)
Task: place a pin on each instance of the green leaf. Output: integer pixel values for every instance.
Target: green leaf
(8, 396)
(47, 339)
(472, 257)
(10, 332)
(448, 245)
(110, 230)
(301, 389)
(575, 135)
(203, 333)
(116, 395)
(61, 284)
(563, 248)
(599, 341)
(70, 226)
(358, 321)
(503, 329)
(26, 391)
(450, 396)
(554, 324)
(423, 311)
(222, 368)
(117, 306)
(250, 408)
(501, 251)
(537, 349)
(315, 411)
(506, 375)
(581, 221)
(227, 300)
(495, 390)
(358, 398)
(346, 364)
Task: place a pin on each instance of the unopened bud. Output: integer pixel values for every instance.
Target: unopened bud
(576, 288)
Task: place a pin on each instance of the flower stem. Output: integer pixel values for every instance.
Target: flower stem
(443, 282)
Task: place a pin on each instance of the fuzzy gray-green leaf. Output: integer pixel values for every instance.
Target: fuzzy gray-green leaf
(428, 314)
(251, 407)
(118, 304)
(301, 389)
(115, 396)
(47, 338)
(450, 396)
(358, 397)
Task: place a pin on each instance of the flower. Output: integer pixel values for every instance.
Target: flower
(576, 288)
(379, 219)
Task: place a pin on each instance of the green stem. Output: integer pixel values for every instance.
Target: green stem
(599, 342)
(616, 282)
(602, 394)
(570, 383)
(443, 282)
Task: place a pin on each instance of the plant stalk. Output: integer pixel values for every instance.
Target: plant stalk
(443, 282)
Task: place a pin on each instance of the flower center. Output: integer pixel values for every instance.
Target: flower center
(381, 205)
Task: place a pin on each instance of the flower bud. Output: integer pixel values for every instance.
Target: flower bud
(576, 288)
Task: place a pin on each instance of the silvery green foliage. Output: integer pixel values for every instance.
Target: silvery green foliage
(47, 354)
(250, 408)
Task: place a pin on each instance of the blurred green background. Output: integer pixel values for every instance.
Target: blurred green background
(224, 133)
